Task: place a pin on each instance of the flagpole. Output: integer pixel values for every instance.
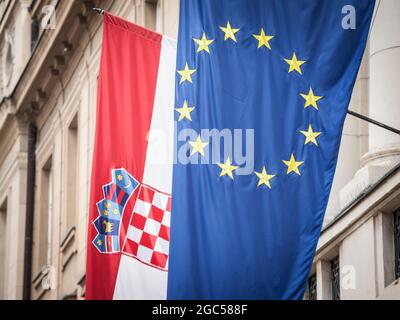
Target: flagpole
(377, 123)
(354, 114)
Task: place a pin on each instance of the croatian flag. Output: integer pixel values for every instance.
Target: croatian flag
(130, 200)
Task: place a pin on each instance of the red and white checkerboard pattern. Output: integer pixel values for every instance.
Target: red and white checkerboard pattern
(148, 233)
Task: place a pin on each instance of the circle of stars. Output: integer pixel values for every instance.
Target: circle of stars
(204, 44)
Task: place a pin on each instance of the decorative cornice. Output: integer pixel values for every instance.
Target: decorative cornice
(49, 60)
(376, 199)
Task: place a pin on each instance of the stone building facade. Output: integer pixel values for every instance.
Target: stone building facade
(49, 58)
(360, 242)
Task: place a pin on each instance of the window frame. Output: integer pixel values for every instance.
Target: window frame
(335, 278)
(312, 287)
(396, 239)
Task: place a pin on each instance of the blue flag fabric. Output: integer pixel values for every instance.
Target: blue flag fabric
(286, 70)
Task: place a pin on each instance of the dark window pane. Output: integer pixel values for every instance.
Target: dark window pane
(397, 242)
(312, 287)
(34, 33)
(335, 272)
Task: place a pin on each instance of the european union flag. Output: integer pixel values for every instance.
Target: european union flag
(274, 78)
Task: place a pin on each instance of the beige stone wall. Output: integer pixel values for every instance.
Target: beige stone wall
(12, 198)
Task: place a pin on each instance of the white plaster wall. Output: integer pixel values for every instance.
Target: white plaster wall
(357, 251)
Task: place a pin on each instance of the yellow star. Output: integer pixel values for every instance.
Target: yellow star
(186, 74)
(108, 205)
(198, 146)
(115, 211)
(264, 178)
(294, 64)
(203, 43)
(105, 212)
(293, 165)
(185, 111)
(263, 39)
(311, 99)
(99, 242)
(227, 168)
(229, 32)
(119, 177)
(311, 136)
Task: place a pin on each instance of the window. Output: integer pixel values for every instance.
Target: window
(397, 243)
(335, 278)
(72, 175)
(388, 245)
(312, 287)
(34, 32)
(153, 17)
(46, 209)
(3, 246)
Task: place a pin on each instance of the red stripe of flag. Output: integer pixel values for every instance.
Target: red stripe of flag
(109, 247)
(126, 90)
(121, 194)
(111, 192)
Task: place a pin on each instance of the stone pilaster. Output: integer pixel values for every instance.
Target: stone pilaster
(384, 146)
(22, 36)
